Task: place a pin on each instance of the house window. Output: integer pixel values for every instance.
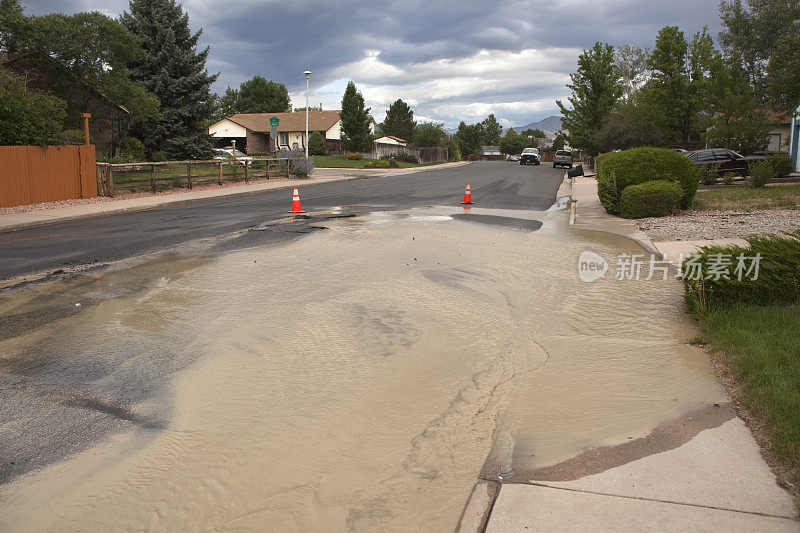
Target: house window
(774, 142)
(283, 139)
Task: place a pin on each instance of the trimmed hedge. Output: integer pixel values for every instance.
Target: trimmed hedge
(618, 170)
(655, 198)
(778, 274)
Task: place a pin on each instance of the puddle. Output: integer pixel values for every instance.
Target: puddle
(355, 379)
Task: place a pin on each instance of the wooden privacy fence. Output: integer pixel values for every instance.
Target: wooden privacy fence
(161, 175)
(34, 174)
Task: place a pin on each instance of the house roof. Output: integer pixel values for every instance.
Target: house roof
(398, 139)
(259, 122)
(778, 117)
(16, 62)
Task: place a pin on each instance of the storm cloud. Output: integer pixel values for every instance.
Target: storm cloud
(451, 61)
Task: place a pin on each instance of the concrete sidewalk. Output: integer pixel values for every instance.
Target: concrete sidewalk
(42, 217)
(717, 481)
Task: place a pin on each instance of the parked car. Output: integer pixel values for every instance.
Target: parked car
(228, 153)
(728, 160)
(562, 158)
(529, 156)
(512, 158)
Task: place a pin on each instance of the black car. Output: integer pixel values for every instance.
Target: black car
(728, 160)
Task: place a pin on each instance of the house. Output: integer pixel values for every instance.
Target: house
(390, 139)
(491, 153)
(779, 131)
(253, 133)
(109, 121)
(794, 133)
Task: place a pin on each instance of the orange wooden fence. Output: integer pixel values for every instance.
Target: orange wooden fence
(33, 174)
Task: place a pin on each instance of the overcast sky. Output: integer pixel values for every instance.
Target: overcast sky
(449, 60)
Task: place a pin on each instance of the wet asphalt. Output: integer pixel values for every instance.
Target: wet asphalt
(237, 222)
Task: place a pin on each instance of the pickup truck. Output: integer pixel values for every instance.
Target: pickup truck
(529, 156)
(562, 158)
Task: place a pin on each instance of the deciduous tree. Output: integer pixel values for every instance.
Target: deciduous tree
(595, 91)
(258, 95)
(28, 116)
(430, 134)
(754, 31)
(783, 87)
(492, 131)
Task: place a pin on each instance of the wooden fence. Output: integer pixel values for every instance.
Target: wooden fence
(34, 174)
(119, 178)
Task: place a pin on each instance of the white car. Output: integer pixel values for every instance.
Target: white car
(228, 153)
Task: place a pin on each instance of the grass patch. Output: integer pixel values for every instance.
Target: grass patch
(761, 348)
(748, 199)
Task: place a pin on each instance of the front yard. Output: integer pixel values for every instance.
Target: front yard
(747, 198)
(340, 161)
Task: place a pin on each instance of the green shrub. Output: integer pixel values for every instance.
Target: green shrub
(781, 165)
(778, 279)
(618, 170)
(133, 148)
(381, 163)
(355, 156)
(761, 172)
(650, 199)
(454, 150)
(316, 144)
(727, 179)
(74, 137)
(708, 174)
(406, 157)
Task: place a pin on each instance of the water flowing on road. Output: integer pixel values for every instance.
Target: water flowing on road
(357, 378)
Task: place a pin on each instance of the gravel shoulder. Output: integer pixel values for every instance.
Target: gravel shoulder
(720, 224)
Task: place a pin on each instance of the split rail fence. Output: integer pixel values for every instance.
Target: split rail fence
(119, 178)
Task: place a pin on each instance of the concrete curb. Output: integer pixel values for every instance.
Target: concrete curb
(47, 216)
(603, 221)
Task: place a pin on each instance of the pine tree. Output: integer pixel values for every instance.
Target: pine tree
(175, 72)
(356, 136)
(399, 121)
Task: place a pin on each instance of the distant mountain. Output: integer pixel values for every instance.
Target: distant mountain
(549, 126)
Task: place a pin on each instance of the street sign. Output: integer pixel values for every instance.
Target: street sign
(274, 122)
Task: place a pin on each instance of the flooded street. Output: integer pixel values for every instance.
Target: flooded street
(360, 378)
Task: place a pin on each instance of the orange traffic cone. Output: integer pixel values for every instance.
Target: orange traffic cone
(296, 202)
(467, 196)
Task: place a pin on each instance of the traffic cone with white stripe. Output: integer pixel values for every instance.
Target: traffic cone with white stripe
(296, 202)
(467, 196)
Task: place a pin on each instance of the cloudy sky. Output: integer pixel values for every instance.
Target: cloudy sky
(450, 60)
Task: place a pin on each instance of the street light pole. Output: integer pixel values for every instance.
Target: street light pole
(307, 74)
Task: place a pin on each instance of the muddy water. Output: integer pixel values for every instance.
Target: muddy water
(356, 379)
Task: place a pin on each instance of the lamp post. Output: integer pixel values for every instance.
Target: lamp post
(307, 74)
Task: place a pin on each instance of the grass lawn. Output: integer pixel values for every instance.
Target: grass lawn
(747, 199)
(761, 348)
(340, 161)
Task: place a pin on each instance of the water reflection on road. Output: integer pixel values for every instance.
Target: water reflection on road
(355, 379)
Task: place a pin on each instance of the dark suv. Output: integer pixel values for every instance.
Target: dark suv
(728, 160)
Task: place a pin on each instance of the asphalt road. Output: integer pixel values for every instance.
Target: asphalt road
(235, 222)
